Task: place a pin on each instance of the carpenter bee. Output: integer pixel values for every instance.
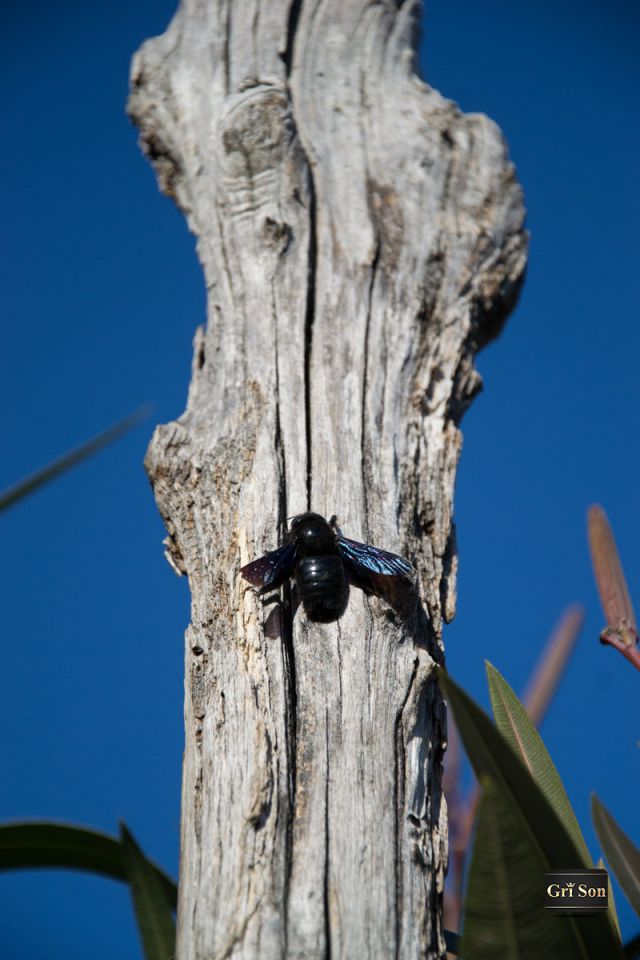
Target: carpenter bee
(324, 564)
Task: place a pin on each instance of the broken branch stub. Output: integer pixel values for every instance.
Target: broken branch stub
(361, 239)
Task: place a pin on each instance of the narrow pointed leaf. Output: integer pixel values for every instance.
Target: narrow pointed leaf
(553, 663)
(491, 755)
(516, 727)
(68, 460)
(607, 569)
(155, 921)
(601, 865)
(57, 845)
(622, 854)
(504, 918)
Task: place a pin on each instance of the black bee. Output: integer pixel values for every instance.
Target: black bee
(324, 563)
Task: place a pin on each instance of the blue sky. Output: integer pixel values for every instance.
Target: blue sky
(100, 295)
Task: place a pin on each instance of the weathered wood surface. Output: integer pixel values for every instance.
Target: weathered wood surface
(361, 239)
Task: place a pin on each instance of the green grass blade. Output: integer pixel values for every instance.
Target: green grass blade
(68, 460)
(504, 918)
(516, 727)
(622, 854)
(491, 755)
(155, 921)
(57, 845)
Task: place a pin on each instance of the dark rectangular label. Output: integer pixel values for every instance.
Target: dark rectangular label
(576, 891)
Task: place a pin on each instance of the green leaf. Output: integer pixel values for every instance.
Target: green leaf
(503, 917)
(622, 854)
(45, 844)
(155, 921)
(516, 727)
(492, 756)
(601, 865)
(68, 460)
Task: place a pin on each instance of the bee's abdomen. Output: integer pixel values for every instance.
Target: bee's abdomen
(322, 587)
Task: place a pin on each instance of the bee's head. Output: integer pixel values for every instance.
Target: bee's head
(311, 533)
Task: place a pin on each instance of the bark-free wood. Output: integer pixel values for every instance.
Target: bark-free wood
(360, 239)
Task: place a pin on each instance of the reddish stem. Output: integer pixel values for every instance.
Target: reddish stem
(623, 643)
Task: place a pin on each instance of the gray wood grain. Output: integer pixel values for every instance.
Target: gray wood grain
(361, 239)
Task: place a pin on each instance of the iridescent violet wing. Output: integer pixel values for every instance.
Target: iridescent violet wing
(377, 571)
(373, 559)
(271, 571)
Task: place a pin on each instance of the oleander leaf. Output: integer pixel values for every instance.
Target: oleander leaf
(155, 921)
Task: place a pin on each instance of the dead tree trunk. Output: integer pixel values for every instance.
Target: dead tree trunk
(361, 239)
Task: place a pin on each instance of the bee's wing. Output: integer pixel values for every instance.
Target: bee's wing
(271, 571)
(377, 571)
(370, 559)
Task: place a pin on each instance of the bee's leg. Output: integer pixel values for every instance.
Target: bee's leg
(269, 597)
(333, 523)
(279, 614)
(295, 599)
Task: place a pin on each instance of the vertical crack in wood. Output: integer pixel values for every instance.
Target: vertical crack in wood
(291, 678)
(340, 671)
(308, 329)
(365, 465)
(292, 25)
(227, 49)
(291, 734)
(289, 663)
(279, 444)
(399, 761)
(399, 796)
(326, 878)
